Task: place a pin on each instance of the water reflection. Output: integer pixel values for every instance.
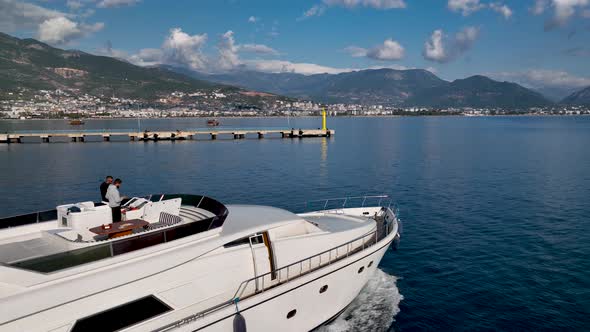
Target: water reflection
(323, 158)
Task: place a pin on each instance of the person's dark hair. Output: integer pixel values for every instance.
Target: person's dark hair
(108, 177)
(117, 181)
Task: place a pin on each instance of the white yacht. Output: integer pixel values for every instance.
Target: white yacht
(188, 263)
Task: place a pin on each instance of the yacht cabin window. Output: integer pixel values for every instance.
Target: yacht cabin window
(122, 316)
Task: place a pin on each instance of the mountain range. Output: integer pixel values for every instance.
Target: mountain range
(32, 65)
(581, 97)
(412, 87)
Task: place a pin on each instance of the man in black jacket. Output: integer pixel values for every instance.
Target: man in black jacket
(104, 186)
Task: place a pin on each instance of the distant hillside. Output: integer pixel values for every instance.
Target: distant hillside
(376, 86)
(30, 64)
(581, 97)
(478, 91)
(415, 87)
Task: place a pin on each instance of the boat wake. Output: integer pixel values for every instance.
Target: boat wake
(373, 310)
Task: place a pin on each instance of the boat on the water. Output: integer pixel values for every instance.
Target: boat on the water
(212, 123)
(76, 122)
(188, 263)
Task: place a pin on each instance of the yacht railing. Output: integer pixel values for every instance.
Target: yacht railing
(279, 276)
(348, 202)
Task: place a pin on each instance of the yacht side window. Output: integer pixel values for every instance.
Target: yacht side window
(123, 316)
(238, 242)
(256, 239)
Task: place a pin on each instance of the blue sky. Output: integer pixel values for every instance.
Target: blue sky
(538, 43)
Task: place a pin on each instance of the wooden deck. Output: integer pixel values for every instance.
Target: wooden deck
(119, 136)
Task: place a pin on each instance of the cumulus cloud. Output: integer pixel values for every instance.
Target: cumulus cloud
(539, 7)
(51, 26)
(257, 48)
(502, 9)
(74, 4)
(468, 7)
(563, 11)
(60, 30)
(434, 48)
(356, 51)
(465, 7)
(441, 48)
(180, 48)
(184, 50)
(16, 15)
(108, 50)
(315, 10)
(388, 51)
(228, 51)
(148, 57)
(253, 19)
(319, 9)
(116, 3)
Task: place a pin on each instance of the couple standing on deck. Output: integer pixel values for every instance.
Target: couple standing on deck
(109, 192)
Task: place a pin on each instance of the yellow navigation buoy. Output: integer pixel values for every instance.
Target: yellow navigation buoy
(324, 119)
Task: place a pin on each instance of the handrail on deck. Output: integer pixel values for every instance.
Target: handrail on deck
(372, 236)
(346, 200)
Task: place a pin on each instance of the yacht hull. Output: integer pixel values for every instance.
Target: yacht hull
(269, 311)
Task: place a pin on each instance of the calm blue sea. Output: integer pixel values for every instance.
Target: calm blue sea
(495, 209)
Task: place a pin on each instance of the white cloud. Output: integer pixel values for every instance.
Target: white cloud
(315, 10)
(564, 10)
(74, 4)
(388, 51)
(51, 26)
(145, 57)
(183, 50)
(108, 50)
(377, 4)
(434, 48)
(539, 7)
(257, 48)
(180, 48)
(356, 52)
(319, 9)
(466, 7)
(442, 49)
(543, 78)
(148, 57)
(116, 3)
(253, 19)
(502, 9)
(16, 15)
(60, 30)
(228, 52)
(282, 66)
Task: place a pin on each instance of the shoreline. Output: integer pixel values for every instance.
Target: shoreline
(305, 117)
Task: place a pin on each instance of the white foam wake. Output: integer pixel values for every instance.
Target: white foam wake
(373, 310)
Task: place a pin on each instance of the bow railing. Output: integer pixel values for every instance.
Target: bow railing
(348, 202)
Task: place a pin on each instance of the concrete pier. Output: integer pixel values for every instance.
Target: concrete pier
(159, 135)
